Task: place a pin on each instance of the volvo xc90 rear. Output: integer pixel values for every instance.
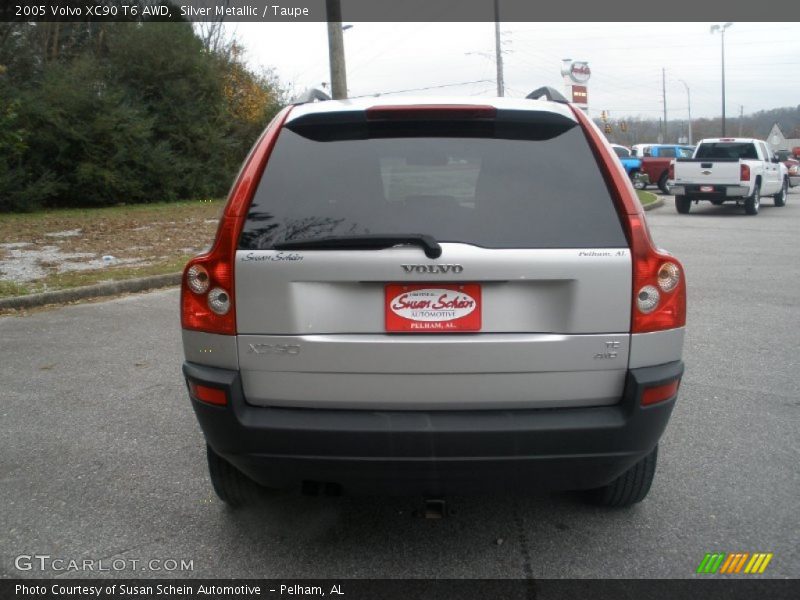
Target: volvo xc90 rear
(433, 296)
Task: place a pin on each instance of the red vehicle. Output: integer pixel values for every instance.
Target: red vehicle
(792, 162)
(655, 163)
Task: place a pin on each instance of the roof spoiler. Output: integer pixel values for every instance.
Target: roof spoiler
(311, 95)
(548, 93)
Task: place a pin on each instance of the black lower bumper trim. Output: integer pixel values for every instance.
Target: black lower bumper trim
(435, 451)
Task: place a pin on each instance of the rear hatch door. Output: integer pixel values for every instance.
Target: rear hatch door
(526, 306)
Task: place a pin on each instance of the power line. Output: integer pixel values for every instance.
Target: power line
(421, 89)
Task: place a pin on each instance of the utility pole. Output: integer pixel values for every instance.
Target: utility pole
(336, 49)
(497, 50)
(664, 98)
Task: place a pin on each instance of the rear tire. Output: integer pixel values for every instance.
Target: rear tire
(753, 202)
(683, 204)
(231, 485)
(662, 183)
(630, 487)
(780, 197)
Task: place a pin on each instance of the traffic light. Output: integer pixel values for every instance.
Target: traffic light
(603, 116)
(623, 127)
(607, 128)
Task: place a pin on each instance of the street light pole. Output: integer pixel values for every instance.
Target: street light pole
(689, 101)
(721, 29)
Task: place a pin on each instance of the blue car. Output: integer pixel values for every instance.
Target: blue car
(631, 164)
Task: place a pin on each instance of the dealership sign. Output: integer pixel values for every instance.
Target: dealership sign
(576, 74)
(576, 70)
(579, 94)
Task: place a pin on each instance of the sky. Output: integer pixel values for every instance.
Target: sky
(762, 61)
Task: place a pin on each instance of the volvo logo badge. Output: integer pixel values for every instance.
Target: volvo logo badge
(433, 269)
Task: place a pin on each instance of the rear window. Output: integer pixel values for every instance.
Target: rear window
(621, 152)
(727, 150)
(476, 183)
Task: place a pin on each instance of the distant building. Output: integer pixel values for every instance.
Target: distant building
(778, 141)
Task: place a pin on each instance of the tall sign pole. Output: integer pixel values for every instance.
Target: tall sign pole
(336, 50)
(576, 75)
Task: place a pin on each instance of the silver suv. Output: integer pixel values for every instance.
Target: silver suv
(429, 295)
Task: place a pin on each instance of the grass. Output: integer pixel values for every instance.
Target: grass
(156, 238)
(646, 197)
(11, 288)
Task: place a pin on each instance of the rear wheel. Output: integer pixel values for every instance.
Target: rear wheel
(683, 204)
(780, 197)
(232, 486)
(637, 180)
(630, 487)
(662, 183)
(753, 202)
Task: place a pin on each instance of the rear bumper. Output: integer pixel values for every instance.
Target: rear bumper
(434, 452)
(720, 191)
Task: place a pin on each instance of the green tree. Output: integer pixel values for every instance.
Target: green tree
(94, 114)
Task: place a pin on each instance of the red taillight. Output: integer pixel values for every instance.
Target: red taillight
(671, 171)
(744, 172)
(208, 304)
(659, 393)
(209, 395)
(659, 285)
(428, 112)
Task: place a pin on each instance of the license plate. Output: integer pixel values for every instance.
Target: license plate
(706, 188)
(433, 308)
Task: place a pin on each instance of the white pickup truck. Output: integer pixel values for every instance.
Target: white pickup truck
(729, 169)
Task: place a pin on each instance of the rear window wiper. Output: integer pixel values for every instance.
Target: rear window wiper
(365, 242)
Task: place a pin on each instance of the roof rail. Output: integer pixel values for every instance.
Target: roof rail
(548, 93)
(311, 95)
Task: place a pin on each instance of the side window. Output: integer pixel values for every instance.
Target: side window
(666, 152)
(684, 153)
